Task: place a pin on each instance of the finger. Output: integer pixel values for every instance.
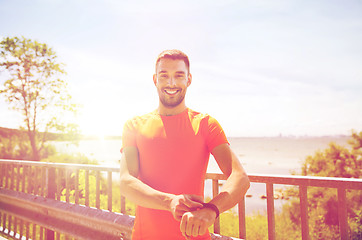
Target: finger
(196, 198)
(179, 211)
(183, 225)
(202, 229)
(191, 204)
(182, 208)
(195, 230)
(189, 225)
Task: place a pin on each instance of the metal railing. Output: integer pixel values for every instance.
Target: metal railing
(61, 182)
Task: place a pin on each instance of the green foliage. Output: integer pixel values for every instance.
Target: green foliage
(78, 158)
(35, 90)
(335, 161)
(17, 147)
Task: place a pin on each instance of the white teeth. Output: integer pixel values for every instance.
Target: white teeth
(171, 91)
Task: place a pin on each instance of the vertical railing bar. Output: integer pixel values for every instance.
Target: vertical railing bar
(57, 183)
(215, 192)
(76, 186)
(35, 177)
(10, 225)
(34, 231)
(123, 204)
(1, 173)
(23, 179)
(21, 231)
(33, 184)
(4, 220)
(40, 181)
(61, 176)
(242, 221)
(15, 226)
(27, 179)
(303, 195)
(86, 185)
(27, 226)
(342, 213)
(17, 177)
(41, 233)
(109, 191)
(67, 184)
(44, 182)
(5, 176)
(11, 176)
(98, 189)
(270, 211)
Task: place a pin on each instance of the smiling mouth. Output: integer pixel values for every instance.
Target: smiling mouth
(171, 91)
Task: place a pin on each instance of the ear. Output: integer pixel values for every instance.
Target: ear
(155, 79)
(189, 80)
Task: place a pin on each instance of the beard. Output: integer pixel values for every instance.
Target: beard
(171, 102)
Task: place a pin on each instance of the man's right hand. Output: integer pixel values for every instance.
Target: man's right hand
(181, 204)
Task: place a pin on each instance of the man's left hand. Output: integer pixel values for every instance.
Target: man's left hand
(197, 222)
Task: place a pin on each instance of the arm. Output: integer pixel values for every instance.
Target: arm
(143, 195)
(237, 182)
(196, 223)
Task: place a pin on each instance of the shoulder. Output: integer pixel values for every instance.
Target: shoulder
(141, 120)
(202, 117)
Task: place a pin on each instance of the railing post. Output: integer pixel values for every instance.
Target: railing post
(215, 192)
(86, 186)
(304, 211)
(270, 210)
(76, 187)
(342, 214)
(50, 193)
(109, 191)
(98, 183)
(123, 204)
(242, 222)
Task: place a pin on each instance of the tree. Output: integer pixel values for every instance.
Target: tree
(335, 161)
(34, 87)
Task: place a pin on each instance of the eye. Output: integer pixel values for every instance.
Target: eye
(163, 76)
(179, 76)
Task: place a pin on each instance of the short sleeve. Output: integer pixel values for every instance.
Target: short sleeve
(215, 134)
(129, 134)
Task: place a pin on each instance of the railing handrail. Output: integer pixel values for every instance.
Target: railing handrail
(313, 181)
(63, 165)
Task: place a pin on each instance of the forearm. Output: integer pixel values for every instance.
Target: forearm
(232, 192)
(143, 195)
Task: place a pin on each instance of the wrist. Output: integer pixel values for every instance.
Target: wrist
(168, 199)
(212, 207)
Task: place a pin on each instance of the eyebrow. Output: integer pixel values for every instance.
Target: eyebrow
(178, 72)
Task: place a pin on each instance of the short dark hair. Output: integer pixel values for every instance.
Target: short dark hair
(174, 54)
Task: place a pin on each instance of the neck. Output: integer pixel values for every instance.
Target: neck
(165, 111)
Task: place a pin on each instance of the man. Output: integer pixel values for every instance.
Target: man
(165, 157)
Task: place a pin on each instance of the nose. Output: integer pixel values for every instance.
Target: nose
(172, 82)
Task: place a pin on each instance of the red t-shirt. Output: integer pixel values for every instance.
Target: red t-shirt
(173, 156)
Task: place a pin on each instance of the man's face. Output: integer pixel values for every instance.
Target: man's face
(171, 80)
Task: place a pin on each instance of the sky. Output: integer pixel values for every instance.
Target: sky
(261, 68)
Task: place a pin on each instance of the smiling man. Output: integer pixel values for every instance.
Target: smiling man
(165, 155)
